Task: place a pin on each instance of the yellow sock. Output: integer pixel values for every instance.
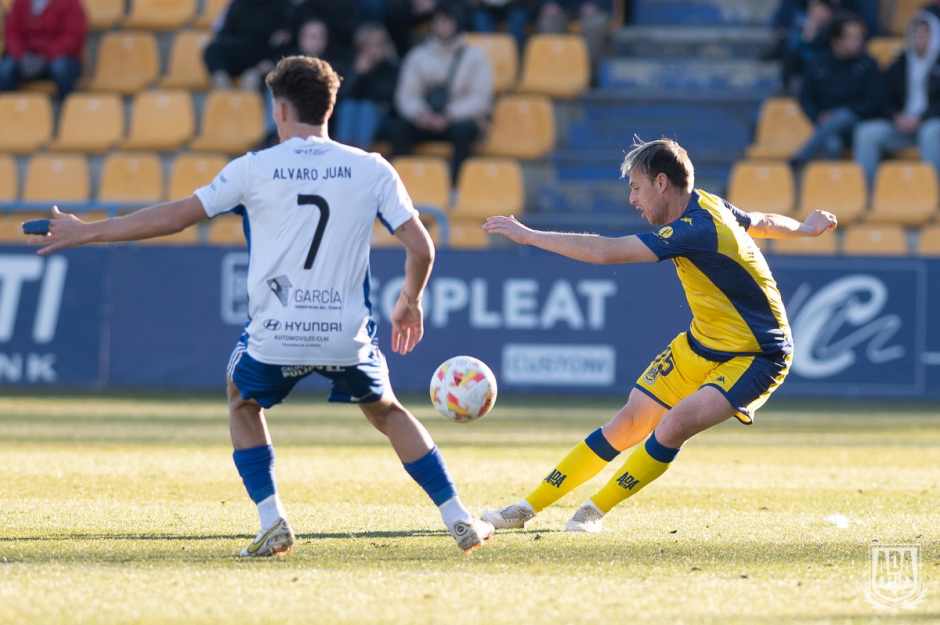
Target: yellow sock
(644, 465)
(581, 464)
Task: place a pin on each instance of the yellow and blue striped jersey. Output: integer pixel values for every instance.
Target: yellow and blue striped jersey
(736, 305)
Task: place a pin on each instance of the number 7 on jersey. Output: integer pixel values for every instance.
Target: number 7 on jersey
(324, 208)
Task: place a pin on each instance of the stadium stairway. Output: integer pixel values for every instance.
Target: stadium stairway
(686, 69)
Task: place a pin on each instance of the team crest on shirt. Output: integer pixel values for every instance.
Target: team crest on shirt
(665, 232)
(687, 220)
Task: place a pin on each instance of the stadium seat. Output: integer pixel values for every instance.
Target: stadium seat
(11, 226)
(825, 244)
(186, 67)
(901, 13)
(90, 122)
(928, 240)
(103, 14)
(556, 65)
(523, 126)
(192, 171)
(131, 178)
(127, 62)
(489, 186)
(211, 11)
(875, 240)
(885, 49)
(467, 235)
(160, 14)
(781, 129)
(762, 186)
(226, 230)
(501, 50)
(426, 178)
(381, 237)
(25, 122)
(161, 120)
(232, 122)
(905, 194)
(834, 186)
(8, 179)
(57, 178)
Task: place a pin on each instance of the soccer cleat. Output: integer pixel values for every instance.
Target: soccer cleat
(471, 535)
(513, 516)
(274, 541)
(588, 518)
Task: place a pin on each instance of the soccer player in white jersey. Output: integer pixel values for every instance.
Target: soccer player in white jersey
(309, 204)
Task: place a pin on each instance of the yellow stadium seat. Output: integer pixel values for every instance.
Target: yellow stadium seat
(781, 130)
(8, 178)
(762, 186)
(160, 14)
(186, 68)
(439, 149)
(131, 178)
(523, 126)
(556, 65)
(11, 226)
(825, 244)
(25, 122)
(905, 193)
(928, 240)
(103, 14)
(875, 240)
(885, 49)
(232, 122)
(211, 10)
(501, 50)
(127, 62)
(90, 122)
(192, 171)
(901, 13)
(426, 178)
(46, 87)
(226, 230)
(468, 235)
(57, 178)
(381, 237)
(834, 186)
(489, 186)
(161, 120)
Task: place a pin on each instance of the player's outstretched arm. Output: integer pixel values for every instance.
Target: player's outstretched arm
(588, 248)
(408, 316)
(773, 226)
(67, 230)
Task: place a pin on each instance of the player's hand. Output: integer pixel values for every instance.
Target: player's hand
(508, 227)
(65, 230)
(819, 222)
(407, 324)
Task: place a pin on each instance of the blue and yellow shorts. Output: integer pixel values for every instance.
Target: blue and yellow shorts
(747, 381)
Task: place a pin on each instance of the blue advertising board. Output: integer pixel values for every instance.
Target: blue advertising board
(142, 317)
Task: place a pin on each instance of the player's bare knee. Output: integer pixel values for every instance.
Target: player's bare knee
(381, 412)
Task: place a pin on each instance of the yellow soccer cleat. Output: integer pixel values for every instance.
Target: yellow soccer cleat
(277, 540)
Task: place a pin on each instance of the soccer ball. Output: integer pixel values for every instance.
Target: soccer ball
(463, 389)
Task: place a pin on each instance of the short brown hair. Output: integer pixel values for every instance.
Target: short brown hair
(309, 84)
(662, 156)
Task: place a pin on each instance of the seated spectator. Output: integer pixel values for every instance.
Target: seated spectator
(404, 20)
(555, 16)
(338, 18)
(44, 39)
(445, 92)
(842, 87)
(488, 14)
(369, 88)
(912, 101)
(251, 38)
(806, 40)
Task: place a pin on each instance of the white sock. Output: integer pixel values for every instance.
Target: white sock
(271, 510)
(452, 511)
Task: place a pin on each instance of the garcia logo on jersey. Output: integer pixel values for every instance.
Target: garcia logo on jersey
(314, 299)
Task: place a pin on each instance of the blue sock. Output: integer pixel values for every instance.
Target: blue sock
(431, 474)
(256, 466)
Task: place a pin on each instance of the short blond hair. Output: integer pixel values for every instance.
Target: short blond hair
(660, 156)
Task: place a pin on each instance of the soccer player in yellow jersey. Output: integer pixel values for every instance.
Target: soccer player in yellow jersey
(735, 354)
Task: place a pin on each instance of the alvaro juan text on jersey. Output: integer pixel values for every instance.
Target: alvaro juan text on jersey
(310, 206)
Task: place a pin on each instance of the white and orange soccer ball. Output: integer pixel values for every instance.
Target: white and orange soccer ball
(463, 389)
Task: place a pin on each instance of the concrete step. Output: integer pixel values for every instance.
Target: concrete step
(703, 12)
(691, 42)
(744, 76)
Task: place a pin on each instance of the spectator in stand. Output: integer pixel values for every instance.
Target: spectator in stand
(841, 88)
(340, 20)
(405, 19)
(369, 88)
(252, 36)
(44, 39)
(912, 106)
(445, 91)
(806, 40)
(488, 14)
(555, 16)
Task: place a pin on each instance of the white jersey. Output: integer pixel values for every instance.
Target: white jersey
(310, 206)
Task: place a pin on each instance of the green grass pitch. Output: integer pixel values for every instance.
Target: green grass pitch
(118, 510)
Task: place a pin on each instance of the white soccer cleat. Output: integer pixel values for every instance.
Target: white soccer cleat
(471, 535)
(274, 541)
(513, 516)
(588, 518)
